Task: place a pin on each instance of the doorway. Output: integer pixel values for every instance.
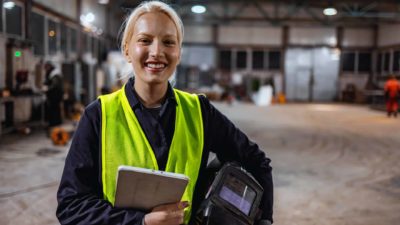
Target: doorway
(311, 74)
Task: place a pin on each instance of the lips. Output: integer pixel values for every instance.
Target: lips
(155, 66)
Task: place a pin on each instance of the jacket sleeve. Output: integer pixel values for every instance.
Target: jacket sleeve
(231, 144)
(80, 192)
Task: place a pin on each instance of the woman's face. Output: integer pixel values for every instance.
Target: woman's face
(154, 50)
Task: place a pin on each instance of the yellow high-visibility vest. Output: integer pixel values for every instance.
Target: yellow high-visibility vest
(124, 142)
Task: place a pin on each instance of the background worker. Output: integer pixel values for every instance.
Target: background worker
(392, 92)
(149, 124)
(54, 94)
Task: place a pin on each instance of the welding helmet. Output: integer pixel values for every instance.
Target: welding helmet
(232, 199)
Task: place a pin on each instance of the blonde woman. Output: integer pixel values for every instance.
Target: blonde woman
(149, 124)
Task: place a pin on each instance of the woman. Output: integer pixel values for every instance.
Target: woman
(149, 124)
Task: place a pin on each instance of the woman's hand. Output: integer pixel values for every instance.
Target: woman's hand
(171, 214)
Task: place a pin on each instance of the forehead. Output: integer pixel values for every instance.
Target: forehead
(155, 22)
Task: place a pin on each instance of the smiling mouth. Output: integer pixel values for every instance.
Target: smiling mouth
(156, 66)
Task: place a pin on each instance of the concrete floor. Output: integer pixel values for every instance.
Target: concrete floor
(333, 164)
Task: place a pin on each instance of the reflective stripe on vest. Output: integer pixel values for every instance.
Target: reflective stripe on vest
(124, 142)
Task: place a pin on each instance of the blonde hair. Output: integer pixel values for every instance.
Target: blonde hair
(147, 7)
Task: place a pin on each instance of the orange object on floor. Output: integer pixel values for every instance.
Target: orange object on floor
(59, 136)
(281, 98)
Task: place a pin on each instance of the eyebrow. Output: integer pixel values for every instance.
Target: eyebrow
(147, 34)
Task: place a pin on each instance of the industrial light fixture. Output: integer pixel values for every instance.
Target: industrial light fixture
(52, 33)
(87, 22)
(8, 4)
(330, 11)
(88, 18)
(199, 9)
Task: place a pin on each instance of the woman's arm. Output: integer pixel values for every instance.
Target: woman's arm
(80, 193)
(231, 144)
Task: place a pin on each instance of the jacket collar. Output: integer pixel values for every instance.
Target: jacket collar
(134, 99)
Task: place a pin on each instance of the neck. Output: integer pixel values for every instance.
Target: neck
(151, 96)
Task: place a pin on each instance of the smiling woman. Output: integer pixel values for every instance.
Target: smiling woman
(154, 53)
(152, 42)
(149, 124)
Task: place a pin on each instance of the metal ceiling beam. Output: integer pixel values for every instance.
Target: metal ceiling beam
(294, 8)
(239, 9)
(309, 10)
(361, 11)
(261, 10)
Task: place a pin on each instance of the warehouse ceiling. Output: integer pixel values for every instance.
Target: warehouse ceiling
(279, 12)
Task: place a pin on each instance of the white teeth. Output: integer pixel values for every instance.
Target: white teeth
(156, 66)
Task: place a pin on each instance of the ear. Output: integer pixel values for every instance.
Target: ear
(126, 52)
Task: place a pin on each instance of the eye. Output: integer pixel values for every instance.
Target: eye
(169, 42)
(144, 41)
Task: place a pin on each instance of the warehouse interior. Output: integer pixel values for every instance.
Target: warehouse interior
(302, 78)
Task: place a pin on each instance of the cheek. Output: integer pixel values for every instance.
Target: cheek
(175, 56)
(137, 53)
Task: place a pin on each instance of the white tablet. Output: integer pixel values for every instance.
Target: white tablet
(142, 188)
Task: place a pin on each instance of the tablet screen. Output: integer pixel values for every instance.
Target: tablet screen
(238, 194)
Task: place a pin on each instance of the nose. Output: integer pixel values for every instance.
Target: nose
(156, 49)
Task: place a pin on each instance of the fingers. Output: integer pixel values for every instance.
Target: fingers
(176, 217)
(183, 205)
(164, 218)
(172, 207)
(169, 214)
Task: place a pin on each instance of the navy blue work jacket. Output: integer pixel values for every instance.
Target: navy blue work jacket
(80, 192)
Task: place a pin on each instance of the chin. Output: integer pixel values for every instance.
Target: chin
(156, 81)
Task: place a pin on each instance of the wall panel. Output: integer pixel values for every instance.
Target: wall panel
(250, 35)
(312, 36)
(389, 35)
(198, 34)
(358, 37)
(203, 56)
(67, 8)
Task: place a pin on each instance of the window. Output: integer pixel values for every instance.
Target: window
(1, 18)
(358, 62)
(102, 52)
(52, 34)
(225, 59)
(261, 59)
(14, 20)
(379, 66)
(396, 61)
(364, 62)
(241, 60)
(274, 60)
(63, 38)
(258, 60)
(386, 62)
(37, 33)
(348, 61)
(73, 36)
(94, 47)
(86, 43)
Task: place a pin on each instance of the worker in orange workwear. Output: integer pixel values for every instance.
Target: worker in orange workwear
(392, 91)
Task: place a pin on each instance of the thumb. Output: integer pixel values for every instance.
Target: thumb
(182, 205)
